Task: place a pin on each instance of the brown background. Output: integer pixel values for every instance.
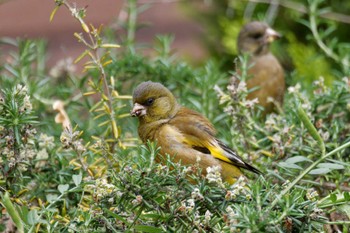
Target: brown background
(30, 19)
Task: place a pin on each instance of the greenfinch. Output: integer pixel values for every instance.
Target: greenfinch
(182, 132)
(265, 75)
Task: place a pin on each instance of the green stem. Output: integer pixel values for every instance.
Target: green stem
(313, 27)
(337, 223)
(131, 24)
(7, 203)
(48, 207)
(311, 128)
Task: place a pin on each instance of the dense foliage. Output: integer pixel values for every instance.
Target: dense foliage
(70, 160)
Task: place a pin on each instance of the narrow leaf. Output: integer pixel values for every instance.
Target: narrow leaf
(331, 166)
(320, 171)
(53, 13)
(297, 159)
(289, 165)
(148, 229)
(7, 203)
(81, 56)
(110, 46)
(311, 128)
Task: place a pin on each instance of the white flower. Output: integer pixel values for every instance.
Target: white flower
(311, 194)
(250, 103)
(46, 141)
(242, 87)
(294, 89)
(196, 194)
(207, 216)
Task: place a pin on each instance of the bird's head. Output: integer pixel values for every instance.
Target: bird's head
(152, 102)
(255, 38)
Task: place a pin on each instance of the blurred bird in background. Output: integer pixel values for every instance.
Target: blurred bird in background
(182, 132)
(265, 74)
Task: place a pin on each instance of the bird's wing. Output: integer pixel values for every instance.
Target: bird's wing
(199, 134)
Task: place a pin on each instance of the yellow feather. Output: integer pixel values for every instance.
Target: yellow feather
(218, 153)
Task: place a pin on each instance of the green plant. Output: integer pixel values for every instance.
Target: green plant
(86, 178)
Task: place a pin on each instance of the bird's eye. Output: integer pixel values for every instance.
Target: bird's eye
(149, 101)
(256, 35)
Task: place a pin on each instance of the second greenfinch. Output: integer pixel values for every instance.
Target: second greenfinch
(182, 132)
(265, 73)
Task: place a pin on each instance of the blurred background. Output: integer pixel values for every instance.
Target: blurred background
(202, 29)
(30, 19)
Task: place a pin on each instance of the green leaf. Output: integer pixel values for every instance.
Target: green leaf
(51, 197)
(114, 215)
(77, 179)
(7, 203)
(297, 159)
(333, 197)
(345, 209)
(63, 188)
(320, 171)
(311, 128)
(289, 165)
(32, 217)
(347, 196)
(332, 166)
(149, 229)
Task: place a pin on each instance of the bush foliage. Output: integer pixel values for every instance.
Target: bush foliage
(70, 160)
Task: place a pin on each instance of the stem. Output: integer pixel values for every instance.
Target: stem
(11, 210)
(94, 46)
(337, 223)
(131, 27)
(48, 207)
(313, 27)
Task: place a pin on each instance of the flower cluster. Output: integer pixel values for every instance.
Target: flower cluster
(17, 134)
(196, 194)
(187, 206)
(231, 219)
(101, 188)
(70, 139)
(311, 194)
(238, 188)
(214, 175)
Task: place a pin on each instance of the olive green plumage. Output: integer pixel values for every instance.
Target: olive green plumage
(182, 132)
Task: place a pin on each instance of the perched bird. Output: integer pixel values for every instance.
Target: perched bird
(182, 132)
(265, 74)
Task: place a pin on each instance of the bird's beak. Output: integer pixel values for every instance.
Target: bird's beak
(272, 35)
(138, 110)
